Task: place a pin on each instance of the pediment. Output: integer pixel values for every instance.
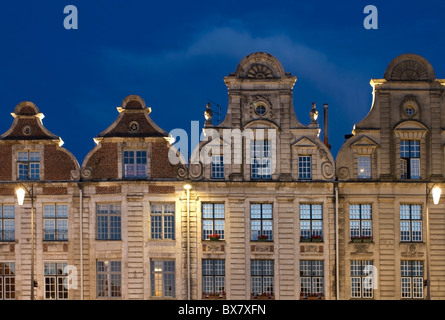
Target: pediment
(364, 142)
(305, 143)
(410, 130)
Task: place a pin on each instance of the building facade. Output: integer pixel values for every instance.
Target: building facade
(260, 210)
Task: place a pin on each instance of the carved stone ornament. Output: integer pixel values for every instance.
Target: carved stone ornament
(86, 173)
(195, 170)
(327, 170)
(27, 130)
(343, 173)
(259, 71)
(75, 174)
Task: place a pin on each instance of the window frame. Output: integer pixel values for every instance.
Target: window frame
(110, 229)
(135, 158)
(214, 220)
(261, 220)
(112, 271)
(407, 157)
(58, 285)
(315, 234)
(411, 228)
(265, 272)
(7, 281)
(28, 166)
(361, 222)
(312, 277)
(365, 166)
(168, 273)
(7, 221)
(56, 218)
(213, 276)
(415, 281)
(357, 272)
(261, 159)
(304, 167)
(166, 222)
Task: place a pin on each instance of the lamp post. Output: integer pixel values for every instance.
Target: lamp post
(187, 187)
(21, 192)
(436, 191)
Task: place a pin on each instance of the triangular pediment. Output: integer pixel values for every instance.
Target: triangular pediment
(364, 142)
(305, 142)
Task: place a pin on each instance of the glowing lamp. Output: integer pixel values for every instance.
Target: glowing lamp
(436, 194)
(20, 195)
(187, 186)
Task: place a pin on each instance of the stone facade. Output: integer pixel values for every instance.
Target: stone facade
(293, 223)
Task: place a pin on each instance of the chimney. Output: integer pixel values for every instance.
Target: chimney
(325, 120)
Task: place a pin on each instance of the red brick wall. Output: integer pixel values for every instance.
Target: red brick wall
(108, 190)
(161, 166)
(161, 189)
(6, 163)
(58, 164)
(55, 190)
(104, 162)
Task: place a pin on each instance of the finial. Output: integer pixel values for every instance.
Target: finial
(313, 114)
(208, 114)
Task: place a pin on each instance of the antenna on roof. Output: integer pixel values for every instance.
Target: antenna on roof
(217, 112)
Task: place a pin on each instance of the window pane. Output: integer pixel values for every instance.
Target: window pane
(364, 167)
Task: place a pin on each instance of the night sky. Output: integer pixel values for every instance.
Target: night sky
(174, 54)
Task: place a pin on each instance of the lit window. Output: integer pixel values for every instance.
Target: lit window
(304, 167)
(163, 221)
(7, 280)
(28, 165)
(108, 219)
(217, 169)
(135, 164)
(412, 278)
(109, 279)
(360, 222)
(55, 280)
(311, 222)
(410, 159)
(163, 278)
(261, 157)
(261, 223)
(364, 167)
(213, 276)
(55, 222)
(410, 222)
(361, 279)
(212, 220)
(7, 222)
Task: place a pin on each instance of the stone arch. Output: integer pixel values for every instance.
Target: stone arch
(409, 67)
(260, 65)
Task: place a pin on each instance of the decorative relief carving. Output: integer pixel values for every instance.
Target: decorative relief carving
(412, 250)
(213, 248)
(343, 173)
(259, 71)
(361, 248)
(410, 70)
(262, 248)
(86, 173)
(327, 170)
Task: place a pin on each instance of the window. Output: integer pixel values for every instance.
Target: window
(311, 222)
(55, 280)
(261, 223)
(304, 167)
(261, 157)
(108, 217)
(28, 165)
(361, 279)
(163, 221)
(411, 222)
(213, 276)
(109, 279)
(55, 221)
(7, 222)
(7, 280)
(364, 167)
(217, 169)
(410, 159)
(412, 278)
(360, 219)
(135, 164)
(163, 278)
(260, 110)
(262, 276)
(212, 220)
(312, 277)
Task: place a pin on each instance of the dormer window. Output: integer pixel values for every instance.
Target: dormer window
(135, 164)
(28, 165)
(364, 166)
(410, 159)
(261, 155)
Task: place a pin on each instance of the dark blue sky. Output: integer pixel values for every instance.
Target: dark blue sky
(175, 55)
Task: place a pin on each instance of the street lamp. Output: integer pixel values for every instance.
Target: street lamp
(436, 191)
(187, 187)
(21, 192)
